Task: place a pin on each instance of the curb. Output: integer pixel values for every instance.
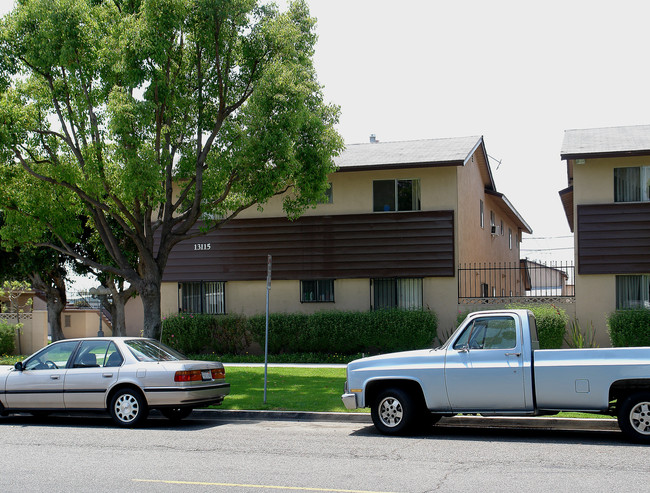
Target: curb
(485, 422)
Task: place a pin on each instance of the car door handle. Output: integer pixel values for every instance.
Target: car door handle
(513, 354)
(54, 377)
(107, 375)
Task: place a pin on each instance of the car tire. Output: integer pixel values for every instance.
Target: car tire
(394, 412)
(128, 408)
(634, 417)
(176, 413)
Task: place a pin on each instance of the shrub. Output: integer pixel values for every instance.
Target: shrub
(629, 327)
(551, 324)
(202, 333)
(346, 332)
(7, 338)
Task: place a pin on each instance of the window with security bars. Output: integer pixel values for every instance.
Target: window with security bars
(632, 292)
(397, 293)
(202, 297)
(317, 291)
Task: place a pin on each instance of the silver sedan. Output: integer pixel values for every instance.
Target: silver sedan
(126, 376)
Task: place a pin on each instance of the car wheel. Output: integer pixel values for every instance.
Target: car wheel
(176, 413)
(634, 417)
(393, 412)
(128, 408)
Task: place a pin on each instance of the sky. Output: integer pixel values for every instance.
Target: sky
(517, 72)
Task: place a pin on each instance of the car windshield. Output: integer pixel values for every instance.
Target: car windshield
(151, 350)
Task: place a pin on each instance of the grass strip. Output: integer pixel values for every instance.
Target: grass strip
(288, 389)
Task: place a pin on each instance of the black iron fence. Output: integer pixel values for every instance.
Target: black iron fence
(505, 281)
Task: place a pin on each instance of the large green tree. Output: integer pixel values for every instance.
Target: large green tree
(151, 116)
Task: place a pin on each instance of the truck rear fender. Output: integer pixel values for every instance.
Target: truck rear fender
(620, 389)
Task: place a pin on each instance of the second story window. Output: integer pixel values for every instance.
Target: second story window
(395, 195)
(482, 213)
(632, 184)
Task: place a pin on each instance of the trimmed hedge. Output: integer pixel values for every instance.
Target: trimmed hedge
(323, 332)
(346, 332)
(7, 338)
(193, 334)
(629, 327)
(551, 324)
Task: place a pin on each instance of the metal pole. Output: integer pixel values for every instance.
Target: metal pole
(266, 339)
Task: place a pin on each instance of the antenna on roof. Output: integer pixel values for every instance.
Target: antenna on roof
(497, 160)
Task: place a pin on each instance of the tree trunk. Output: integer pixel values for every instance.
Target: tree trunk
(56, 299)
(118, 306)
(54, 309)
(150, 295)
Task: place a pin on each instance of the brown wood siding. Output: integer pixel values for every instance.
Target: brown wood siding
(406, 244)
(614, 238)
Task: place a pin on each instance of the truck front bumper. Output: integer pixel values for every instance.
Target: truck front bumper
(349, 401)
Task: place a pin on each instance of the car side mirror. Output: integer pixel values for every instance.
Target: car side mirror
(464, 348)
(19, 366)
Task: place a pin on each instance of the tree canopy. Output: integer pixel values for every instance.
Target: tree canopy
(143, 118)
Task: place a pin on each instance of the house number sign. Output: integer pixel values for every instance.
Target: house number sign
(202, 246)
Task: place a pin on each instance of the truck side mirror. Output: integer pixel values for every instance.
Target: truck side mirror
(19, 366)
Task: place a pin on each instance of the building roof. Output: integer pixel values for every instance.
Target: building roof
(414, 153)
(606, 142)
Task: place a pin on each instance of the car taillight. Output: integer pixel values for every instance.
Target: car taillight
(218, 373)
(188, 376)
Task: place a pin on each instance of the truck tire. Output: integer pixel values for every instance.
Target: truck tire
(394, 412)
(634, 417)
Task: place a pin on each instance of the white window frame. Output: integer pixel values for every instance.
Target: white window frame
(632, 291)
(628, 192)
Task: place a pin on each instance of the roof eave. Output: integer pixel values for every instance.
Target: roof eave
(522, 223)
(565, 156)
(374, 167)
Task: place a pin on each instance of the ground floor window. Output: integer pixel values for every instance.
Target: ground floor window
(632, 292)
(397, 293)
(317, 291)
(202, 297)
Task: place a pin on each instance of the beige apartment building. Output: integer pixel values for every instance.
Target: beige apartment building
(607, 204)
(400, 217)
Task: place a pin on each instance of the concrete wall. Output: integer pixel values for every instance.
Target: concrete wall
(33, 335)
(83, 323)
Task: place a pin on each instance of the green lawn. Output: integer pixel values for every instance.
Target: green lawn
(288, 389)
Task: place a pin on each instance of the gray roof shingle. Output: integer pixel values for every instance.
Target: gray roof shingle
(603, 142)
(426, 152)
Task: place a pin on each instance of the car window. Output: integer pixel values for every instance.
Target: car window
(96, 354)
(489, 333)
(152, 350)
(52, 357)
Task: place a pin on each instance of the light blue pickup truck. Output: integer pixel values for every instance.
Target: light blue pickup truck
(492, 365)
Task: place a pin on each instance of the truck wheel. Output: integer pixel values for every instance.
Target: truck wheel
(634, 417)
(393, 412)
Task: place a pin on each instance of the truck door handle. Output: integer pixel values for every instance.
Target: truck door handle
(513, 354)
(54, 377)
(107, 375)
